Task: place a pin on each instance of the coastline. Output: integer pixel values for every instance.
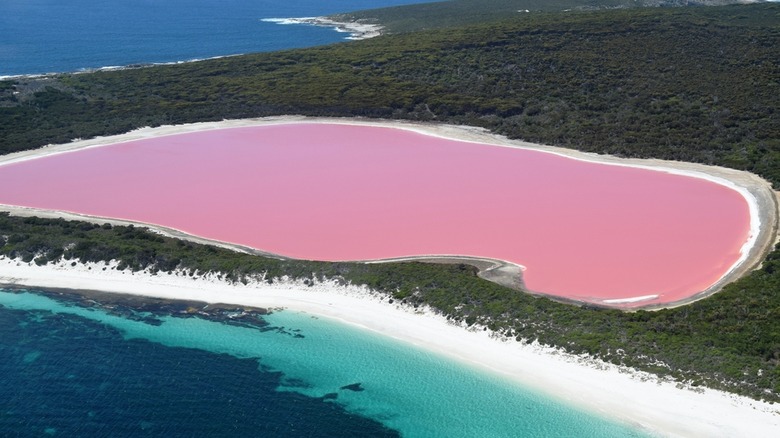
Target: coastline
(632, 397)
(355, 29)
(133, 66)
(761, 199)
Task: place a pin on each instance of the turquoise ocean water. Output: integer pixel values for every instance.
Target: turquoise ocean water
(73, 371)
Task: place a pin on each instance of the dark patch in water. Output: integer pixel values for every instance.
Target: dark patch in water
(87, 380)
(357, 387)
(149, 310)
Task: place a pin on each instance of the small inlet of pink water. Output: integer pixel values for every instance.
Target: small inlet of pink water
(583, 230)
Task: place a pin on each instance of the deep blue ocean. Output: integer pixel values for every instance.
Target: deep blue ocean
(44, 36)
(67, 370)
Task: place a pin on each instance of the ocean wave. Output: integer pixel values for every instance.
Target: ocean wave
(112, 68)
(356, 30)
(299, 20)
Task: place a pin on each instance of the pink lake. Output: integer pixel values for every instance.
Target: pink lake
(584, 231)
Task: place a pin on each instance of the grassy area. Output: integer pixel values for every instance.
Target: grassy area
(434, 15)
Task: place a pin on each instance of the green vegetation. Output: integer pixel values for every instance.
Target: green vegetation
(729, 341)
(694, 84)
(424, 16)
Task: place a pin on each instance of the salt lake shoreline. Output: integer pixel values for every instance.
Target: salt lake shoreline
(761, 198)
(626, 395)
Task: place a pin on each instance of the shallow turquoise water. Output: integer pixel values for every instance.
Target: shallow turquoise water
(401, 387)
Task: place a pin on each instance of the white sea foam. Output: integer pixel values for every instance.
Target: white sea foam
(356, 30)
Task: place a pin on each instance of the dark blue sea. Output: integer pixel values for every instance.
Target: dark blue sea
(44, 36)
(73, 371)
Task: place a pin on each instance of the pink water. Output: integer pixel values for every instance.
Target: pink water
(336, 192)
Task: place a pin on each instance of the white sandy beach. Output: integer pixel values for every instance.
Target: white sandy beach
(629, 396)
